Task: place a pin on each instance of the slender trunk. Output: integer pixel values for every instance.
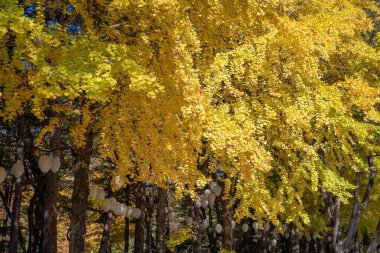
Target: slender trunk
(79, 197)
(50, 200)
(148, 221)
(31, 224)
(197, 241)
(15, 220)
(375, 241)
(105, 246)
(160, 220)
(140, 222)
(295, 243)
(227, 233)
(126, 229)
(264, 242)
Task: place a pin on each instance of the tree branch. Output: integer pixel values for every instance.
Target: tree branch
(375, 241)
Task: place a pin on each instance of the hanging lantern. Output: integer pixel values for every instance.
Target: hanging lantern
(93, 191)
(207, 192)
(123, 209)
(100, 194)
(18, 169)
(171, 217)
(286, 235)
(204, 203)
(189, 220)
(198, 204)
(314, 237)
(329, 238)
(266, 227)
(117, 208)
(3, 174)
(274, 242)
(255, 225)
(212, 185)
(217, 190)
(218, 228)
(106, 205)
(233, 224)
(44, 163)
(128, 212)
(118, 182)
(136, 212)
(56, 164)
(245, 228)
(211, 199)
(284, 227)
(205, 223)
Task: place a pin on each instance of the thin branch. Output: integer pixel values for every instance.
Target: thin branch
(296, 9)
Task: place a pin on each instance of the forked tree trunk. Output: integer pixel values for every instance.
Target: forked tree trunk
(105, 246)
(15, 218)
(50, 200)
(140, 222)
(79, 197)
(161, 220)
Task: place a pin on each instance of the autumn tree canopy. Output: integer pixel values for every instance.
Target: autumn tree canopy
(172, 121)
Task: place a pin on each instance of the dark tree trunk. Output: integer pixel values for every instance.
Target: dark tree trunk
(264, 242)
(197, 241)
(105, 246)
(148, 222)
(295, 243)
(161, 220)
(50, 200)
(31, 225)
(227, 233)
(140, 222)
(126, 229)
(79, 197)
(15, 220)
(375, 241)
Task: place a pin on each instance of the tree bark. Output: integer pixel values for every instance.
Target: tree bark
(105, 246)
(79, 197)
(227, 233)
(126, 229)
(197, 241)
(375, 241)
(15, 219)
(161, 220)
(50, 200)
(140, 222)
(148, 222)
(295, 243)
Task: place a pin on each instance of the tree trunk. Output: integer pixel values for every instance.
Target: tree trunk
(31, 224)
(264, 242)
(15, 219)
(375, 241)
(50, 200)
(126, 229)
(105, 246)
(161, 220)
(227, 233)
(140, 222)
(148, 221)
(197, 241)
(79, 197)
(295, 243)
